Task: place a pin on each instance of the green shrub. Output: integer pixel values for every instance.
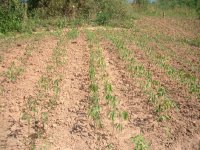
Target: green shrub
(102, 18)
(10, 20)
(115, 9)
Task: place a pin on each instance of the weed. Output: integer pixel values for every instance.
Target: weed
(140, 143)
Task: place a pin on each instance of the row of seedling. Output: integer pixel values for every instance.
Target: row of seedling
(187, 79)
(15, 70)
(94, 110)
(114, 113)
(37, 108)
(94, 106)
(156, 92)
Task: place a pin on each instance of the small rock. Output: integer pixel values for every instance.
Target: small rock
(54, 125)
(14, 128)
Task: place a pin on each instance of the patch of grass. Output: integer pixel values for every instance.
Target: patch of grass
(140, 143)
(195, 42)
(72, 33)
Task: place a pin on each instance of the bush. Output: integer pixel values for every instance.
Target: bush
(198, 8)
(102, 18)
(112, 9)
(11, 18)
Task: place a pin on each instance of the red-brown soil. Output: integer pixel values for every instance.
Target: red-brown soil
(69, 126)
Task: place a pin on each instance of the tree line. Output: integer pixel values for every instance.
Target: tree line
(13, 12)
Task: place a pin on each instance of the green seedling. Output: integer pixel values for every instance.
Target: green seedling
(13, 72)
(45, 82)
(140, 143)
(52, 102)
(2, 90)
(32, 104)
(94, 112)
(153, 98)
(164, 105)
(58, 57)
(50, 68)
(92, 73)
(124, 115)
(56, 87)
(162, 118)
(26, 116)
(118, 126)
(94, 99)
(109, 146)
(94, 87)
(161, 92)
(44, 118)
(112, 115)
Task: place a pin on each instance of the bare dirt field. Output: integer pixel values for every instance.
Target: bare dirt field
(102, 88)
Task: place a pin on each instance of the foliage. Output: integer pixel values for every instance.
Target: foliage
(191, 4)
(11, 17)
(74, 12)
(140, 143)
(112, 10)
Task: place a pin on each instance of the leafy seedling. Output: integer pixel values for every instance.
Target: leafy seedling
(140, 143)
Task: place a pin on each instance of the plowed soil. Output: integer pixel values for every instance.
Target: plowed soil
(69, 126)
